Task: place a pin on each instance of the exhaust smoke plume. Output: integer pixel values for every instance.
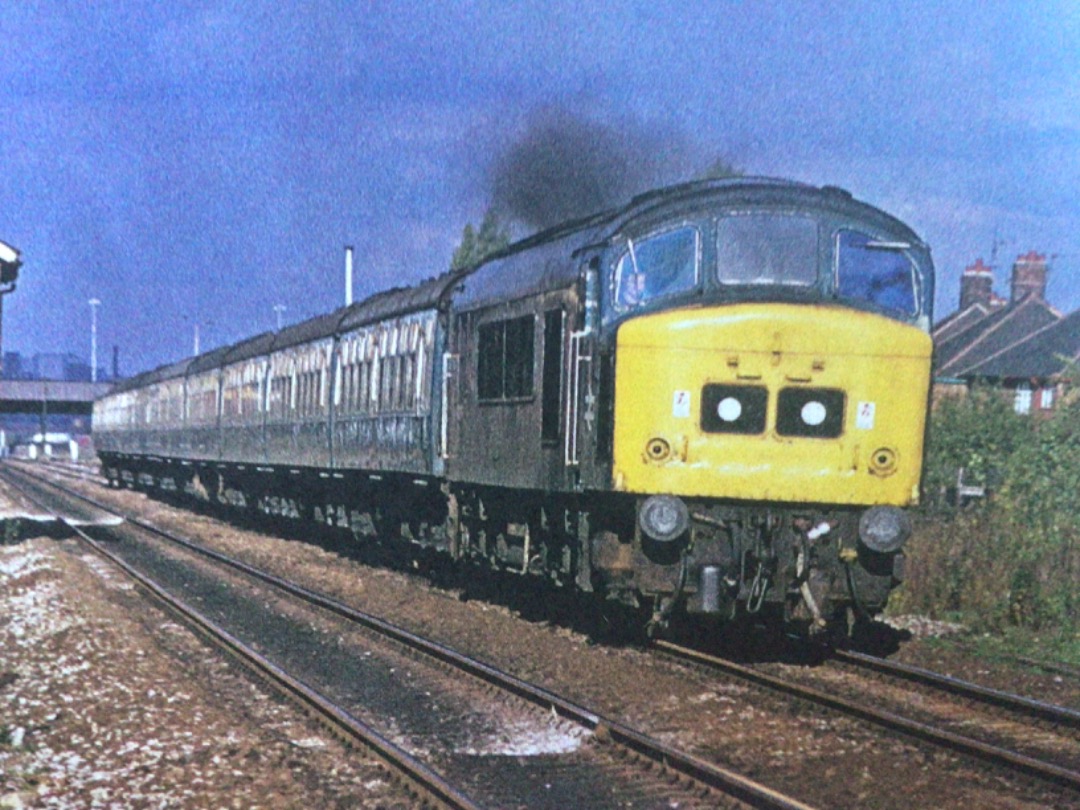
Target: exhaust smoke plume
(565, 166)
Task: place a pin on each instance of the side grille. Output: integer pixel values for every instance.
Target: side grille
(733, 408)
(812, 412)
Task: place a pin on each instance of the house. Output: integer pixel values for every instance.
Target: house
(1021, 344)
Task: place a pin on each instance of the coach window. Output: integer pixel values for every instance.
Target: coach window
(654, 267)
(876, 271)
(408, 382)
(505, 360)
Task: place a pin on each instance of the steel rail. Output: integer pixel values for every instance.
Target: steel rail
(1035, 708)
(426, 781)
(993, 754)
(709, 774)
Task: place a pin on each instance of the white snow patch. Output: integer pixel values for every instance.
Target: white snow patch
(923, 627)
(309, 742)
(102, 520)
(33, 617)
(524, 739)
(15, 563)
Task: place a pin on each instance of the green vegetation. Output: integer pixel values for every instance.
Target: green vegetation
(1006, 564)
(477, 245)
(12, 532)
(720, 169)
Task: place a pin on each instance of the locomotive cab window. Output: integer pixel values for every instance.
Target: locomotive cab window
(505, 360)
(656, 267)
(876, 271)
(767, 248)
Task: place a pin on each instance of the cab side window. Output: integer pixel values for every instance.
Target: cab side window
(656, 266)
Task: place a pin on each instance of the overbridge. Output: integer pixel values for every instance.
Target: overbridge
(49, 396)
(34, 410)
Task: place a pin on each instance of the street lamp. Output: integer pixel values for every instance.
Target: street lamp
(94, 304)
(10, 262)
(279, 309)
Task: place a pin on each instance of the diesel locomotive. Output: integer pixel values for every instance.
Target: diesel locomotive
(711, 400)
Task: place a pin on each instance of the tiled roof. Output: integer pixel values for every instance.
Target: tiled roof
(1000, 330)
(1044, 353)
(959, 321)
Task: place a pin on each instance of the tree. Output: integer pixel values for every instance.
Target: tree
(476, 245)
(720, 169)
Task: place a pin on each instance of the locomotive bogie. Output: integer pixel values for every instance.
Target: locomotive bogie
(804, 563)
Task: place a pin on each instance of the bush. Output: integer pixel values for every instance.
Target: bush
(978, 433)
(1012, 559)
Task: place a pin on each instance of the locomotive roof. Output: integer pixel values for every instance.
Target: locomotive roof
(740, 191)
(538, 263)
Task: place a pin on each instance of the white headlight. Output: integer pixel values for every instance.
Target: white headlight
(729, 409)
(813, 413)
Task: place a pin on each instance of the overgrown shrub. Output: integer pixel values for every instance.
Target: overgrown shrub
(1011, 559)
(978, 433)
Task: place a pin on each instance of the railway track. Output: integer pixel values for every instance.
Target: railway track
(1059, 716)
(1057, 770)
(428, 787)
(618, 766)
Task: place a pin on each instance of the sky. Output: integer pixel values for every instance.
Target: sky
(194, 165)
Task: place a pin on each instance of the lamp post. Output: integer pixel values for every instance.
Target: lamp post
(94, 304)
(348, 274)
(278, 310)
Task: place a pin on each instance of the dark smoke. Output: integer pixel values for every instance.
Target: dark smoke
(565, 166)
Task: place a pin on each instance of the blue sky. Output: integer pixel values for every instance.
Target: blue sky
(201, 162)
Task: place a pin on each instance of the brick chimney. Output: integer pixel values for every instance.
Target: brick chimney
(1029, 277)
(976, 285)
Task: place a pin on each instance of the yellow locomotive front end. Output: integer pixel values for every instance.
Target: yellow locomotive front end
(771, 449)
(771, 402)
(770, 369)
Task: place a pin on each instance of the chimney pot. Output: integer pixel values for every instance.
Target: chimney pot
(1029, 277)
(976, 285)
